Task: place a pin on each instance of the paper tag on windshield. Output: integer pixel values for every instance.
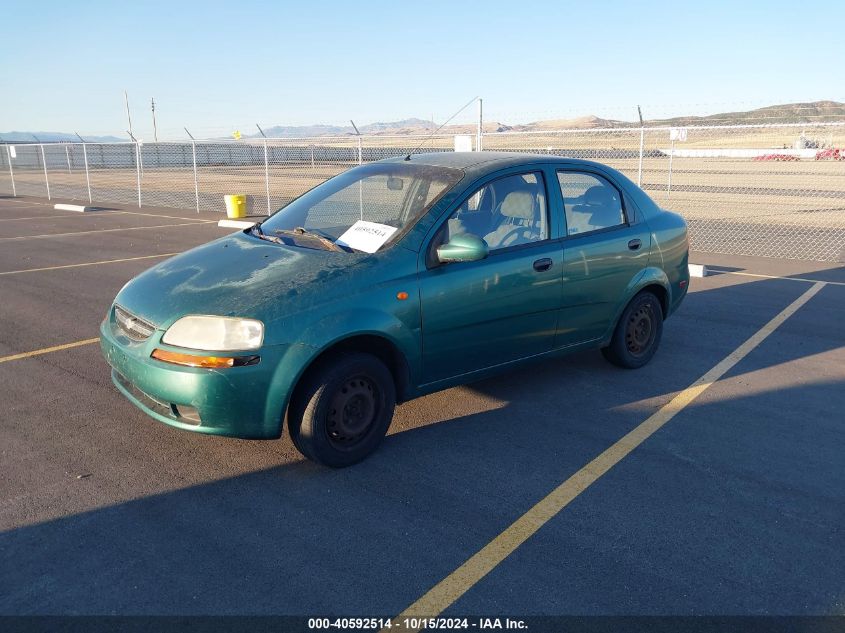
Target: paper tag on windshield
(366, 236)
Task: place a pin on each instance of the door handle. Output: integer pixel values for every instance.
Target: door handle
(543, 264)
(634, 244)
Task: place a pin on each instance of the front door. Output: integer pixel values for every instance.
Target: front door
(484, 313)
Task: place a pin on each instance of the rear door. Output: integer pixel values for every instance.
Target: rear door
(605, 247)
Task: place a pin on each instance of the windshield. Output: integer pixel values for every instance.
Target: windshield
(365, 208)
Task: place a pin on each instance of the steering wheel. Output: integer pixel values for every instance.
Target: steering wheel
(512, 232)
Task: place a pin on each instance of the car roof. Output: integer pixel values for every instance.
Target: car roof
(478, 163)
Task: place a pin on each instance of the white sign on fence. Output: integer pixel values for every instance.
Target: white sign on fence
(12, 151)
(678, 134)
(463, 143)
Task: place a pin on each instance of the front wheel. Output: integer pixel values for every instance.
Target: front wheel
(638, 333)
(342, 410)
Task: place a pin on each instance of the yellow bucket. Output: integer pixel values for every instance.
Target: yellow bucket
(236, 205)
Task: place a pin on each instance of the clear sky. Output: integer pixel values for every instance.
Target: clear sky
(219, 66)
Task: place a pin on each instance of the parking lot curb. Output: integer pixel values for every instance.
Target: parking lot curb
(235, 224)
(74, 207)
(697, 270)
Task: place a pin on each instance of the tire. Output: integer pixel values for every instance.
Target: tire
(637, 334)
(342, 409)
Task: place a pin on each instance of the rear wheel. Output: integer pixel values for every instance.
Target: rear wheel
(638, 333)
(342, 410)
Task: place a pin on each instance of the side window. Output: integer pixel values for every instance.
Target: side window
(506, 212)
(590, 201)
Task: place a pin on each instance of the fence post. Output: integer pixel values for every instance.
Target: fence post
(87, 177)
(480, 132)
(67, 156)
(196, 183)
(138, 170)
(46, 178)
(640, 170)
(360, 153)
(11, 171)
(671, 156)
(267, 175)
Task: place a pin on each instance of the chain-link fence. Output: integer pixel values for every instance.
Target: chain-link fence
(769, 190)
(774, 191)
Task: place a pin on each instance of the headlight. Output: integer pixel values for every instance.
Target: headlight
(213, 333)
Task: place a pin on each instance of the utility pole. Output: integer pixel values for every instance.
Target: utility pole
(128, 116)
(155, 129)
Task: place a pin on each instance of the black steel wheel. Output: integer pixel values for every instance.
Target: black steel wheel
(342, 409)
(353, 411)
(638, 332)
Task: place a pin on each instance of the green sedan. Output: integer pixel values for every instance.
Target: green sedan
(390, 281)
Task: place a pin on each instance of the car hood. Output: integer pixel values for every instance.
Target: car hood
(239, 275)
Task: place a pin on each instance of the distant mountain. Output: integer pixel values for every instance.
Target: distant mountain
(810, 112)
(397, 127)
(405, 126)
(579, 123)
(54, 137)
(816, 111)
(296, 131)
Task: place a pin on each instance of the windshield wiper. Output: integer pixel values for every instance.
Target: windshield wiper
(259, 233)
(303, 232)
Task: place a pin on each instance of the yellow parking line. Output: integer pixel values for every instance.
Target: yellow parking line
(104, 261)
(131, 228)
(761, 276)
(456, 584)
(47, 350)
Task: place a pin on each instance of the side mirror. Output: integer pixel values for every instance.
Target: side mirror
(463, 248)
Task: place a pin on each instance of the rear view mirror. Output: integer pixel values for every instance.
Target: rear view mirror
(463, 248)
(395, 184)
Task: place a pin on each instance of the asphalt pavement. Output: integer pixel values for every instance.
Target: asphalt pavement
(735, 507)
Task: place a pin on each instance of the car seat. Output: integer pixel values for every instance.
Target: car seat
(599, 206)
(520, 221)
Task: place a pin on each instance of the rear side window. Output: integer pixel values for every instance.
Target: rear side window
(590, 201)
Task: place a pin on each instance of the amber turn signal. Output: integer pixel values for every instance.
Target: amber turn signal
(401, 296)
(210, 362)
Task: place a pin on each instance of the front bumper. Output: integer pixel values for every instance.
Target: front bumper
(235, 402)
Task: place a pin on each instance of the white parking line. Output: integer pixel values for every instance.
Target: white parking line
(131, 228)
(29, 202)
(103, 211)
(105, 261)
(761, 276)
(66, 217)
(158, 215)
